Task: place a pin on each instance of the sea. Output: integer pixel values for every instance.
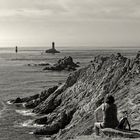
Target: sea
(21, 77)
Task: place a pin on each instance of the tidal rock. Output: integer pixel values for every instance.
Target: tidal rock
(40, 64)
(24, 99)
(63, 64)
(18, 100)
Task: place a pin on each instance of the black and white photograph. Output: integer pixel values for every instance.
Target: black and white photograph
(69, 70)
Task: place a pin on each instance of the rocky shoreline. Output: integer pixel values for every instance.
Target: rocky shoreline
(69, 108)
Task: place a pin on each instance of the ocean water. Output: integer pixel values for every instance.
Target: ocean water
(17, 79)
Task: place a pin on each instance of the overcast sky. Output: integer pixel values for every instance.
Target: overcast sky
(70, 22)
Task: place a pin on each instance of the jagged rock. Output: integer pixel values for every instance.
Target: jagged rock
(43, 96)
(41, 120)
(138, 55)
(63, 120)
(50, 103)
(32, 103)
(25, 99)
(18, 100)
(46, 119)
(63, 64)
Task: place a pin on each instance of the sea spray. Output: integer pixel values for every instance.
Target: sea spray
(4, 107)
(26, 112)
(27, 123)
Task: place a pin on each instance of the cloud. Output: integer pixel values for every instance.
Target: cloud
(71, 9)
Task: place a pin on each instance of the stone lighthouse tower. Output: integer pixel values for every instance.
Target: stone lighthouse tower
(53, 45)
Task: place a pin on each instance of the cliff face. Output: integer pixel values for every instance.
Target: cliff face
(84, 91)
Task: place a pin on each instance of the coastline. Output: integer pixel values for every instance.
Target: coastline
(79, 84)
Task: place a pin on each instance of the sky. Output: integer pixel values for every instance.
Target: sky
(70, 22)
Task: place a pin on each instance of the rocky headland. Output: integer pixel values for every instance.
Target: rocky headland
(69, 108)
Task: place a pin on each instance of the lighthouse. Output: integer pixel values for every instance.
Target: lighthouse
(53, 45)
(52, 50)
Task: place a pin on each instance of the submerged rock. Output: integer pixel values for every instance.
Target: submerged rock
(41, 64)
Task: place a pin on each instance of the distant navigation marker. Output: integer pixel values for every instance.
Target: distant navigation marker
(16, 49)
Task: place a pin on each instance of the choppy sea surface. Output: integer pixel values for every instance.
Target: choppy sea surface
(17, 79)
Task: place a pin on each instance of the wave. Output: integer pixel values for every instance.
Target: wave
(18, 104)
(28, 123)
(9, 102)
(25, 112)
(4, 107)
(46, 138)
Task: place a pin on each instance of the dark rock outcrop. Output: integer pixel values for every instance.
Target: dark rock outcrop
(84, 90)
(63, 120)
(42, 97)
(63, 64)
(25, 99)
(50, 103)
(52, 51)
(41, 64)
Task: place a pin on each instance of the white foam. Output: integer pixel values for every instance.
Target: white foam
(46, 138)
(31, 133)
(9, 102)
(28, 123)
(26, 112)
(23, 104)
(3, 109)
